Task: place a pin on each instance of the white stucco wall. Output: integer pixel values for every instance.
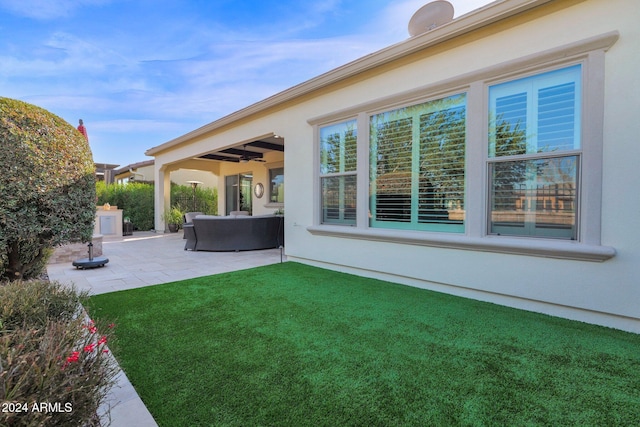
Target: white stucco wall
(605, 292)
(601, 292)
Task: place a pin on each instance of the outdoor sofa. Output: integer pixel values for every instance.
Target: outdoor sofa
(234, 233)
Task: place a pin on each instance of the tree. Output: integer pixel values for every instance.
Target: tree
(47, 188)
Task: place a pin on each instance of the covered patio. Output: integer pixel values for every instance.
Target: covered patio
(250, 169)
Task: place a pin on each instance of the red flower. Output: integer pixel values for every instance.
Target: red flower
(91, 327)
(74, 357)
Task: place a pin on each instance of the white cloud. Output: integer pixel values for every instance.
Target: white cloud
(73, 57)
(144, 88)
(46, 9)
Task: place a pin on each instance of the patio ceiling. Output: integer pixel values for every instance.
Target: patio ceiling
(250, 151)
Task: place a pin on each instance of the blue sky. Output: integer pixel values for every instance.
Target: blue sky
(142, 72)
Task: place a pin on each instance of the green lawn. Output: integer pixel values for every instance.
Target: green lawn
(290, 344)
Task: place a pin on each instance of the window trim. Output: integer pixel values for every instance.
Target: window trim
(492, 158)
(271, 167)
(590, 53)
(414, 224)
(338, 174)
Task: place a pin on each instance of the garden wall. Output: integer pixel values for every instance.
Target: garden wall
(74, 251)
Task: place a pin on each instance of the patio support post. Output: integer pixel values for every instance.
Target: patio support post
(162, 195)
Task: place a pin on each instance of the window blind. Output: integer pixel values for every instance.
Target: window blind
(537, 118)
(393, 172)
(442, 154)
(417, 166)
(556, 117)
(338, 167)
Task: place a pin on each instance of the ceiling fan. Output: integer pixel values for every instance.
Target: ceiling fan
(247, 157)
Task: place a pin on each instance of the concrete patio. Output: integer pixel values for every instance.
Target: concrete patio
(147, 259)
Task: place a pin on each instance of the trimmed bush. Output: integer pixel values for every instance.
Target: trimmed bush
(134, 198)
(55, 367)
(47, 188)
(206, 199)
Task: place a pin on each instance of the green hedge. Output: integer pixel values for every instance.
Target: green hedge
(137, 200)
(134, 198)
(206, 199)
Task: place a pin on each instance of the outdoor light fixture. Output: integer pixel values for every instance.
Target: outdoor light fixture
(194, 185)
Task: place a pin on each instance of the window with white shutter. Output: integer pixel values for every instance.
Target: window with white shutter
(534, 155)
(338, 168)
(417, 166)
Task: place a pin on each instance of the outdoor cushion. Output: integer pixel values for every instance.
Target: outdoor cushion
(241, 233)
(188, 217)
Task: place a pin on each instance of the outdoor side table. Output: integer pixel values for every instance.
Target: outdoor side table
(127, 229)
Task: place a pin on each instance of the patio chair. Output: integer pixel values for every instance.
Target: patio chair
(188, 217)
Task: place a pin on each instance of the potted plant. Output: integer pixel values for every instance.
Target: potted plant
(173, 217)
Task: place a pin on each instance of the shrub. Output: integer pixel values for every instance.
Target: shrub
(134, 198)
(32, 303)
(51, 355)
(47, 187)
(206, 199)
(174, 215)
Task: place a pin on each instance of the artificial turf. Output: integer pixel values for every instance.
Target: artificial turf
(290, 344)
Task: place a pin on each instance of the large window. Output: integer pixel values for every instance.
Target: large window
(417, 166)
(338, 167)
(534, 155)
(508, 159)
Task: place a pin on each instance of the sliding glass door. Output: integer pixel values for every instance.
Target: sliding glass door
(238, 193)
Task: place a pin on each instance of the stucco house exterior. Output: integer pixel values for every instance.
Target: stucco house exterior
(491, 157)
(135, 172)
(145, 172)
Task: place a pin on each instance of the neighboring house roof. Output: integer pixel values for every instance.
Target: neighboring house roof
(479, 18)
(105, 166)
(135, 166)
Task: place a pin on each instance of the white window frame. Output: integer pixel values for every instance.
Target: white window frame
(342, 173)
(415, 110)
(590, 53)
(269, 170)
(528, 83)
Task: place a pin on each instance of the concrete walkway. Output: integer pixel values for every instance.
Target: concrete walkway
(147, 259)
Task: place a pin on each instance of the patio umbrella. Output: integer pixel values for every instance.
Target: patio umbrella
(83, 130)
